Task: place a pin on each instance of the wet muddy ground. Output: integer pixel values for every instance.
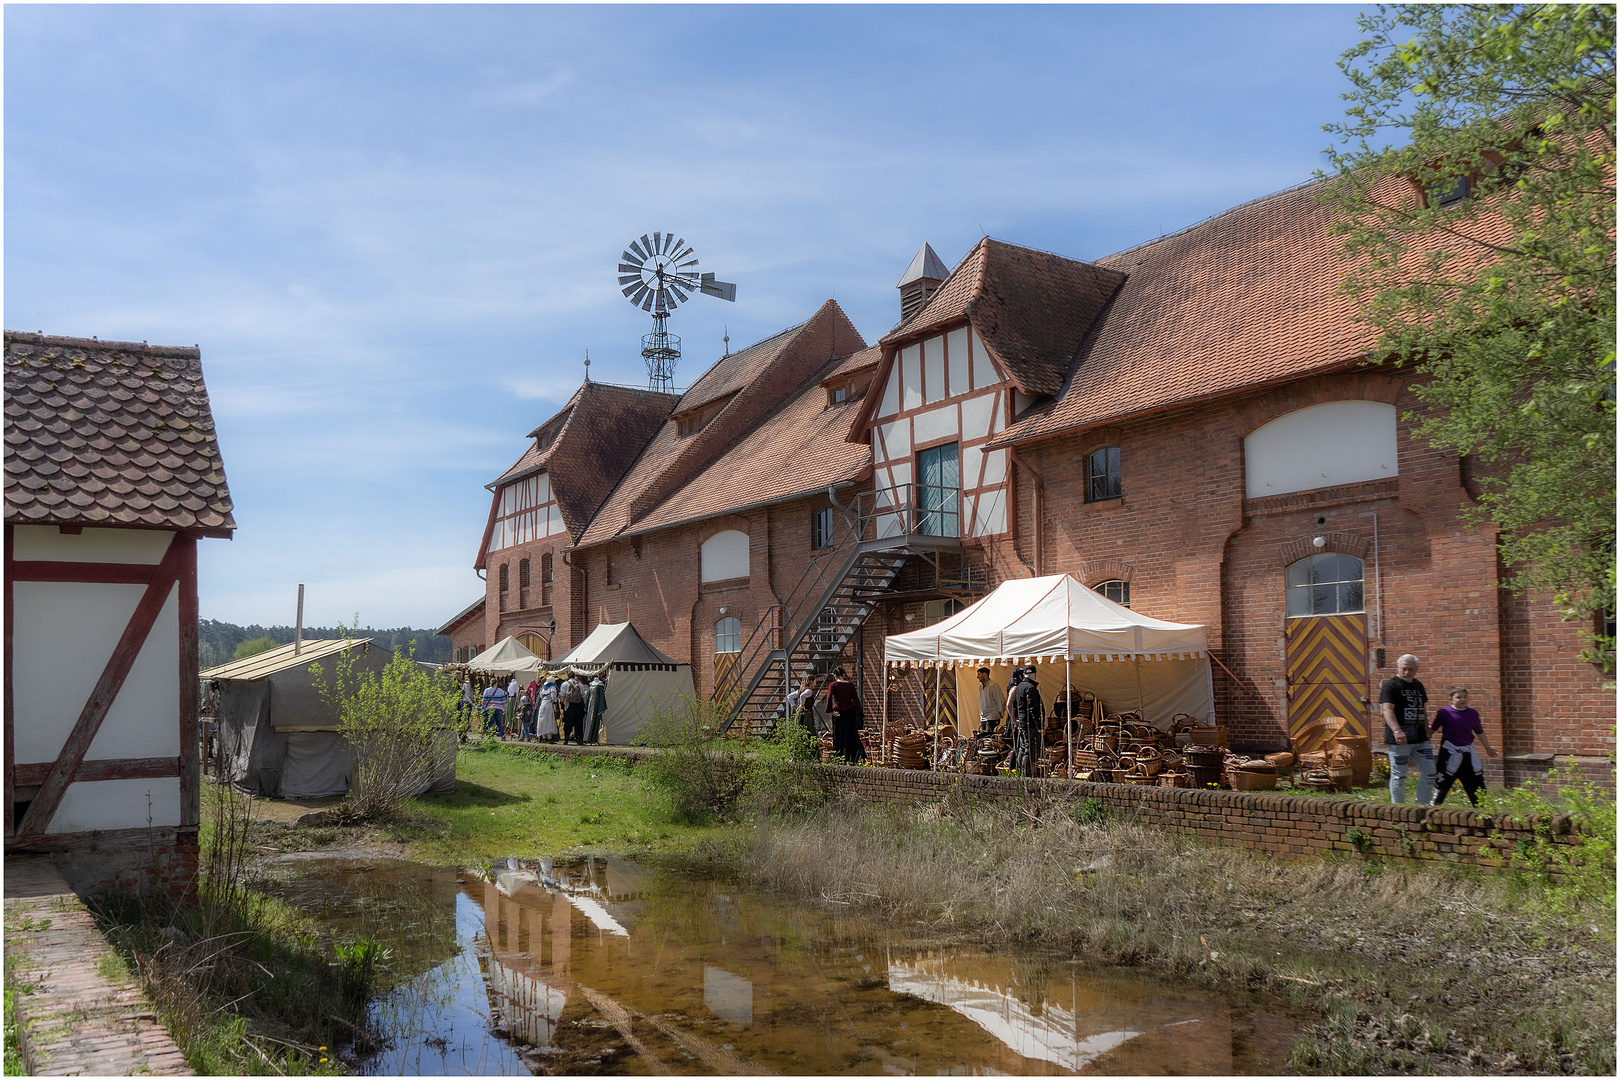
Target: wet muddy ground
(602, 966)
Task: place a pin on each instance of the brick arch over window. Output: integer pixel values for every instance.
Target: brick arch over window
(1342, 543)
(1094, 571)
(1097, 438)
(1358, 386)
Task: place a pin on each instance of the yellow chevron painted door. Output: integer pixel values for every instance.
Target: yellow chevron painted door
(1327, 670)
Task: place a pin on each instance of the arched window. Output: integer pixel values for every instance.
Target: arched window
(1102, 474)
(503, 577)
(1336, 442)
(545, 569)
(724, 556)
(728, 636)
(1325, 585)
(523, 574)
(1116, 590)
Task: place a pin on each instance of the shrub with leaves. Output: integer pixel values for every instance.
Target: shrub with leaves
(699, 773)
(783, 777)
(398, 722)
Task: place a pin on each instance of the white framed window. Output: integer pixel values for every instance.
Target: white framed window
(728, 636)
(1326, 584)
(1116, 590)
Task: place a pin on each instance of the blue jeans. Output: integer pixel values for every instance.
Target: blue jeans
(499, 716)
(1400, 759)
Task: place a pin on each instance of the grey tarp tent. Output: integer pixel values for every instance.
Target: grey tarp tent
(278, 737)
(640, 680)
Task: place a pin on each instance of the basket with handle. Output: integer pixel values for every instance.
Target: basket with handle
(1149, 761)
(1178, 778)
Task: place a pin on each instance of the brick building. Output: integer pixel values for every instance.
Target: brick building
(1188, 426)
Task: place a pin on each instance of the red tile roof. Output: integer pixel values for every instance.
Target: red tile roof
(110, 433)
(596, 437)
(760, 378)
(798, 450)
(1030, 307)
(866, 358)
(1248, 297)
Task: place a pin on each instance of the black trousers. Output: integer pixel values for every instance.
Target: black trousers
(573, 725)
(1473, 783)
(1027, 749)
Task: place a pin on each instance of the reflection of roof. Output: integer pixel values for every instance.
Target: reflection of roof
(1031, 308)
(282, 658)
(110, 432)
(1053, 1035)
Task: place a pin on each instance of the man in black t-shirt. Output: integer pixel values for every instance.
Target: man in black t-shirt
(1405, 705)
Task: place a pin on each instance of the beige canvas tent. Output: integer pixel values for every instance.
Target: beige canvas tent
(507, 657)
(639, 679)
(1074, 636)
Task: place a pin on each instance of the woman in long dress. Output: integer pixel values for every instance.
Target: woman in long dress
(844, 705)
(545, 717)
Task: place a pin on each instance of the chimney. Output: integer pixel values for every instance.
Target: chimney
(921, 278)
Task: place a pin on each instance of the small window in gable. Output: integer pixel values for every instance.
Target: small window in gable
(1102, 474)
(1116, 590)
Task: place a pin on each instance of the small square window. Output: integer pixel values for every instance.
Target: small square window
(840, 394)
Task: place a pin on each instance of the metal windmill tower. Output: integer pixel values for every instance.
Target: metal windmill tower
(658, 274)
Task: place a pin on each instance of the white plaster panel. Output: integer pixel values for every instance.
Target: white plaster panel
(934, 369)
(725, 555)
(956, 352)
(554, 520)
(144, 720)
(896, 441)
(65, 633)
(995, 467)
(998, 414)
(46, 543)
(934, 424)
(910, 377)
(887, 525)
(972, 458)
(969, 502)
(977, 413)
(1339, 442)
(991, 517)
(117, 804)
(984, 368)
(542, 488)
(901, 473)
(891, 392)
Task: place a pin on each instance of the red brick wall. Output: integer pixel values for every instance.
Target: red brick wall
(128, 860)
(526, 610)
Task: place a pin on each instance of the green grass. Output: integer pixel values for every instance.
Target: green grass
(511, 801)
(14, 1060)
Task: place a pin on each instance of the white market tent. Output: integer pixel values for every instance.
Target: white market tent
(507, 657)
(639, 679)
(1077, 637)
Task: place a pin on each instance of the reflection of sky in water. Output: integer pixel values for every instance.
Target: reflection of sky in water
(448, 1003)
(1052, 1036)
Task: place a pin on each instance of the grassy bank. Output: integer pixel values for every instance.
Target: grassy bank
(1410, 969)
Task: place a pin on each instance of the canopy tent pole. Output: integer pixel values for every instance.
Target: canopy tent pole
(885, 710)
(936, 712)
(1068, 715)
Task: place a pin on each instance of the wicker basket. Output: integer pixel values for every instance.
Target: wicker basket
(1242, 779)
(1205, 775)
(1203, 756)
(1149, 761)
(1174, 779)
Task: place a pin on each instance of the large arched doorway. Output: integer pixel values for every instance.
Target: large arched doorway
(1327, 641)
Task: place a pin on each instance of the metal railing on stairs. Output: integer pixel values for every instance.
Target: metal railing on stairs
(869, 546)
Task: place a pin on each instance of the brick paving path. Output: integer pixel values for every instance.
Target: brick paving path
(76, 1021)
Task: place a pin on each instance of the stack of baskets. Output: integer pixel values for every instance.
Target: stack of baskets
(911, 749)
(828, 754)
(1204, 764)
(1250, 774)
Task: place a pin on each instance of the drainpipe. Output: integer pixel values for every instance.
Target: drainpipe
(1038, 509)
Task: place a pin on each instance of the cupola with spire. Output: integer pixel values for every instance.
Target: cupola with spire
(918, 283)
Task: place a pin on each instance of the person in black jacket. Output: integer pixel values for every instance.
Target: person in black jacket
(844, 706)
(1029, 715)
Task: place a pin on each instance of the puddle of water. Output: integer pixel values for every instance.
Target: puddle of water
(602, 966)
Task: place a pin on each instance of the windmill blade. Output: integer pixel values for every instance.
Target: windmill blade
(647, 246)
(678, 250)
(640, 255)
(658, 243)
(637, 293)
(626, 279)
(647, 300)
(629, 268)
(680, 296)
(625, 258)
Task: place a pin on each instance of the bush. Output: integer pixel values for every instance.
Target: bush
(699, 773)
(1574, 874)
(783, 778)
(398, 724)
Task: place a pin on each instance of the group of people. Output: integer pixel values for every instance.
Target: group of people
(548, 709)
(1409, 736)
(1023, 711)
(842, 705)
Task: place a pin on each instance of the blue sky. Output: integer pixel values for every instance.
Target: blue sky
(393, 230)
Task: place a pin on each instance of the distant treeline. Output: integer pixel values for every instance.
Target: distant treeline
(217, 641)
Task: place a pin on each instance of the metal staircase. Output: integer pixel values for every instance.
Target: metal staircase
(808, 631)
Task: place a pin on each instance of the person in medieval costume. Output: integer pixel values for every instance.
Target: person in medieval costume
(595, 706)
(1029, 716)
(571, 695)
(545, 717)
(844, 706)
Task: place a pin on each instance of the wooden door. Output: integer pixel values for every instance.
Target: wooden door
(1327, 670)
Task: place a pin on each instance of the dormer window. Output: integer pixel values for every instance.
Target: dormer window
(693, 422)
(839, 394)
(1452, 190)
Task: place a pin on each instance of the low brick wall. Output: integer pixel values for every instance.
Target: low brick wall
(126, 860)
(1288, 826)
(1274, 822)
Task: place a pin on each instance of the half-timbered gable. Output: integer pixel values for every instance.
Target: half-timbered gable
(113, 473)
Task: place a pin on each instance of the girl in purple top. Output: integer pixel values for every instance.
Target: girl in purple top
(1459, 759)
